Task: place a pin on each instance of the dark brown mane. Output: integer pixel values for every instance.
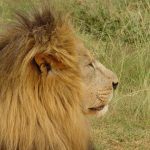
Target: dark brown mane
(40, 85)
(29, 24)
(36, 27)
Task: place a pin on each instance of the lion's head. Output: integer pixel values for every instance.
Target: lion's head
(45, 77)
(99, 83)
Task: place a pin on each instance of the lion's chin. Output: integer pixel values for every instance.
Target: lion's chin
(102, 111)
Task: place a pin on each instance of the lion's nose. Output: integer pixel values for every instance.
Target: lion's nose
(115, 81)
(114, 85)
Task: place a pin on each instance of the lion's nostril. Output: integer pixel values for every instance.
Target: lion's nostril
(115, 84)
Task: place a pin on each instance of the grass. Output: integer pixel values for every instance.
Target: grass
(118, 32)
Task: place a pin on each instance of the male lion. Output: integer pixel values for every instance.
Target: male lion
(46, 75)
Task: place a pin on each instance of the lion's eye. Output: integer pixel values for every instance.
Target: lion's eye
(91, 65)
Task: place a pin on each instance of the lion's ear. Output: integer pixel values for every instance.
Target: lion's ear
(43, 63)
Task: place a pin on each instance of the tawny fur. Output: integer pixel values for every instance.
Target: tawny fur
(40, 109)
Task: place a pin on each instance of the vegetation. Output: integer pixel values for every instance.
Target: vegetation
(118, 32)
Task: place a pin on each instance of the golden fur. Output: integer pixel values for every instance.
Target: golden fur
(40, 86)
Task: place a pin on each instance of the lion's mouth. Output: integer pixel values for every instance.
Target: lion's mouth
(99, 108)
(99, 111)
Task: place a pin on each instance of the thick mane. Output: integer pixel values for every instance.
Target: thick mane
(40, 110)
(39, 28)
(38, 19)
(26, 23)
